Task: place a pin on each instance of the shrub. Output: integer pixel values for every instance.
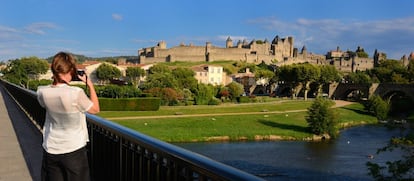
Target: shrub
(129, 104)
(321, 117)
(378, 107)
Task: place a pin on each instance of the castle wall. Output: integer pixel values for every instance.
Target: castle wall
(191, 58)
(145, 60)
(352, 65)
(280, 50)
(229, 51)
(181, 51)
(363, 64)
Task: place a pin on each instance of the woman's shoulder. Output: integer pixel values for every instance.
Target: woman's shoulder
(75, 88)
(42, 87)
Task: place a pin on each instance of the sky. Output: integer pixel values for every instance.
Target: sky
(102, 28)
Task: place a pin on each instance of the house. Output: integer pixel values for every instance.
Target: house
(210, 74)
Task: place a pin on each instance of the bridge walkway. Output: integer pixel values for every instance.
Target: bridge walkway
(20, 143)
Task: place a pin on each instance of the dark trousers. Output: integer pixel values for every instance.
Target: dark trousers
(71, 166)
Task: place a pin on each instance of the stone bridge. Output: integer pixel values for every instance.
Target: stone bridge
(385, 90)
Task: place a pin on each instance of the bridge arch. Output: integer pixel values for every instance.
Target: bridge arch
(342, 90)
(393, 94)
(388, 90)
(400, 103)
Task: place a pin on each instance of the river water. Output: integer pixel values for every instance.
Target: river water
(341, 159)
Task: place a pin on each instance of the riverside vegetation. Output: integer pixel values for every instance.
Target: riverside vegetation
(272, 120)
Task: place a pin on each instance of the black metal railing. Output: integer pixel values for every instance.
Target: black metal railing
(120, 153)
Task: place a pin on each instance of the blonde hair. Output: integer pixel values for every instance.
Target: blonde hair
(62, 63)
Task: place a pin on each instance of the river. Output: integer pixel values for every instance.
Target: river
(340, 159)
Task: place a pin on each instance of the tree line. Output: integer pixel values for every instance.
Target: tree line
(178, 85)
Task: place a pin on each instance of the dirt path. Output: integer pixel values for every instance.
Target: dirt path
(341, 103)
(338, 103)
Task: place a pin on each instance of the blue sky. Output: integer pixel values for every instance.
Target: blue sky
(122, 27)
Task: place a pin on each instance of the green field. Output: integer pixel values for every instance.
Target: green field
(276, 120)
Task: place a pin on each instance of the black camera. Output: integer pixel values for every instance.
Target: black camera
(78, 72)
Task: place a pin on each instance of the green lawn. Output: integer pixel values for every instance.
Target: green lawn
(279, 105)
(261, 123)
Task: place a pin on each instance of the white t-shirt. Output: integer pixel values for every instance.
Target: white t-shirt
(65, 128)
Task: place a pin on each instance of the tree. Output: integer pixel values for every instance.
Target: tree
(402, 169)
(360, 52)
(135, 74)
(358, 77)
(263, 74)
(378, 107)
(410, 71)
(185, 78)
(21, 71)
(167, 95)
(203, 94)
(159, 68)
(387, 71)
(235, 90)
(329, 74)
(106, 72)
(299, 75)
(321, 117)
(288, 75)
(305, 74)
(161, 80)
(224, 93)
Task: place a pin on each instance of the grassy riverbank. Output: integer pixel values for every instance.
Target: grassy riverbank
(277, 120)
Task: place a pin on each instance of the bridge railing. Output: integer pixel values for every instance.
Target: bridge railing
(119, 153)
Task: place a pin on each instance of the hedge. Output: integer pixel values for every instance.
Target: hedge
(129, 104)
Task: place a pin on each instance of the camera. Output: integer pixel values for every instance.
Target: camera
(78, 72)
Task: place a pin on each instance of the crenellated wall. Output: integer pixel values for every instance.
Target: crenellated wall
(253, 52)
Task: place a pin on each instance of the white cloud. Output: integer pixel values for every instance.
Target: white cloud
(392, 36)
(117, 17)
(40, 27)
(8, 34)
(235, 38)
(144, 41)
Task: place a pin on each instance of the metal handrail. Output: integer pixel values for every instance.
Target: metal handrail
(119, 153)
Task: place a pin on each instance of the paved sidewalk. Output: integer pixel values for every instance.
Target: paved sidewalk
(20, 143)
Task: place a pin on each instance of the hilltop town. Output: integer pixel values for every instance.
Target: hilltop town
(278, 52)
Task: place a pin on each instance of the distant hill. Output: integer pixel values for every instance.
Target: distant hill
(83, 58)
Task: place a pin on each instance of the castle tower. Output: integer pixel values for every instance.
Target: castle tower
(239, 44)
(411, 57)
(244, 42)
(162, 45)
(276, 40)
(295, 52)
(291, 42)
(404, 60)
(378, 56)
(304, 52)
(229, 42)
(207, 54)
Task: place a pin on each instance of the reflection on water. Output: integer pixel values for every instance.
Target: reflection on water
(342, 159)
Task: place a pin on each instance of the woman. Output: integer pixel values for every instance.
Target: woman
(65, 134)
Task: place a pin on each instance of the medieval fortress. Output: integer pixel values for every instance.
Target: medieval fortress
(280, 51)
